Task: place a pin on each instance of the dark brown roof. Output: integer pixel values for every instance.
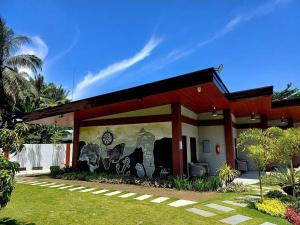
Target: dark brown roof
(251, 93)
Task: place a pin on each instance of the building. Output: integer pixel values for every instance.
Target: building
(159, 128)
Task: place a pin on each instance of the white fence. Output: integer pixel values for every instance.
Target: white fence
(37, 158)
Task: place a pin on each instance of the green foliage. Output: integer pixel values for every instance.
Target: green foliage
(287, 93)
(11, 140)
(6, 187)
(12, 83)
(296, 205)
(11, 167)
(206, 184)
(182, 183)
(273, 207)
(281, 177)
(226, 174)
(262, 146)
(280, 196)
(233, 188)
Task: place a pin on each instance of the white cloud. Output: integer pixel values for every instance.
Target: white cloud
(114, 68)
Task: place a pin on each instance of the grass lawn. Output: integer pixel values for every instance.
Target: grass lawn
(43, 205)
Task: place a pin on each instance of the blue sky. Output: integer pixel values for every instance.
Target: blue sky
(95, 47)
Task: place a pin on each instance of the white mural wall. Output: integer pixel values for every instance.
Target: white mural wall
(135, 149)
(39, 157)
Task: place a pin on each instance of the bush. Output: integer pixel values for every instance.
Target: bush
(293, 216)
(233, 187)
(296, 205)
(282, 177)
(206, 184)
(182, 183)
(6, 187)
(280, 196)
(273, 207)
(226, 174)
(11, 167)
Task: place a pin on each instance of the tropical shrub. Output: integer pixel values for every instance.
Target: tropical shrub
(273, 207)
(296, 205)
(182, 183)
(293, 216)
(206, 184)
(281, 177)
(233, 187)
(280, 196)
(226, 174)
(6, 187)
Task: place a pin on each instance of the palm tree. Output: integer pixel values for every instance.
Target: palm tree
(13, 83)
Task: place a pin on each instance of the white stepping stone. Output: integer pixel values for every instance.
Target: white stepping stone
(23, 181)
(181, 202)
(252, 196)
(39, 183)
(127, 195)
(160, 199)
(267, 223)
(76, 188)
(65, 187)
(143, 197)
(236, 219)
(88, 190)
(57, 185)
(235, 203)
(100, 191)
(219, 207)
(113, 193)
(32, 182)
(201, 212)
(45, 185)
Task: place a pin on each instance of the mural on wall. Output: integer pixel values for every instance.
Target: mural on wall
(35, 156)
(58, 154)
(127, 153)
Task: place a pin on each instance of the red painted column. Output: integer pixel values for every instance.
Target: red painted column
(264, 122)
(229, 138)
(68, 155)
(177, 155)
(75, 142)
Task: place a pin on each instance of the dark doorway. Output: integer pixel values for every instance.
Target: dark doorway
(184, 154)
(193, 149)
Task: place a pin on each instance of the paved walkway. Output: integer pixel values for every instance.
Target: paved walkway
(218, 208)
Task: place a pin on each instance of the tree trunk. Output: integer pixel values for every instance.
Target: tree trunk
(260, 186)
(293, 178)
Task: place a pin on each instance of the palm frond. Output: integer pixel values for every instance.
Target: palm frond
(29, 61)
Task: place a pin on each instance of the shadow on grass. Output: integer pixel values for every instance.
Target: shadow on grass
(10, 221)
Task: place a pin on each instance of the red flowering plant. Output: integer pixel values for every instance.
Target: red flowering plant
(293, 216)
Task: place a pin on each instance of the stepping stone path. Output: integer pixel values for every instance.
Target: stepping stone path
(76, 188)
(237, 219)
(219, 207)
(201, 212)
(87, 190)
(232, 220)
(127, 195)
(235, 203)
(65, 187)
(160, 199)
(113, 193)
(143, 197)
(100, 192)
(180, 203)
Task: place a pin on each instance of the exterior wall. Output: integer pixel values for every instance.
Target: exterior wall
(136, 149)
(190, 131)
(39, 157)
(216, 136)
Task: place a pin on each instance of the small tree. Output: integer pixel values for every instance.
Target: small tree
(289, 146)
(261, 146)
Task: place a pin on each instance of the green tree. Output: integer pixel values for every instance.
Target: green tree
(261, 146)
(287, 93)
(289, 146)
(13, 83)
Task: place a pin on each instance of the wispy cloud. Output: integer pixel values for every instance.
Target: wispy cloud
(117, 67)
(62, 53)
(230, 26)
